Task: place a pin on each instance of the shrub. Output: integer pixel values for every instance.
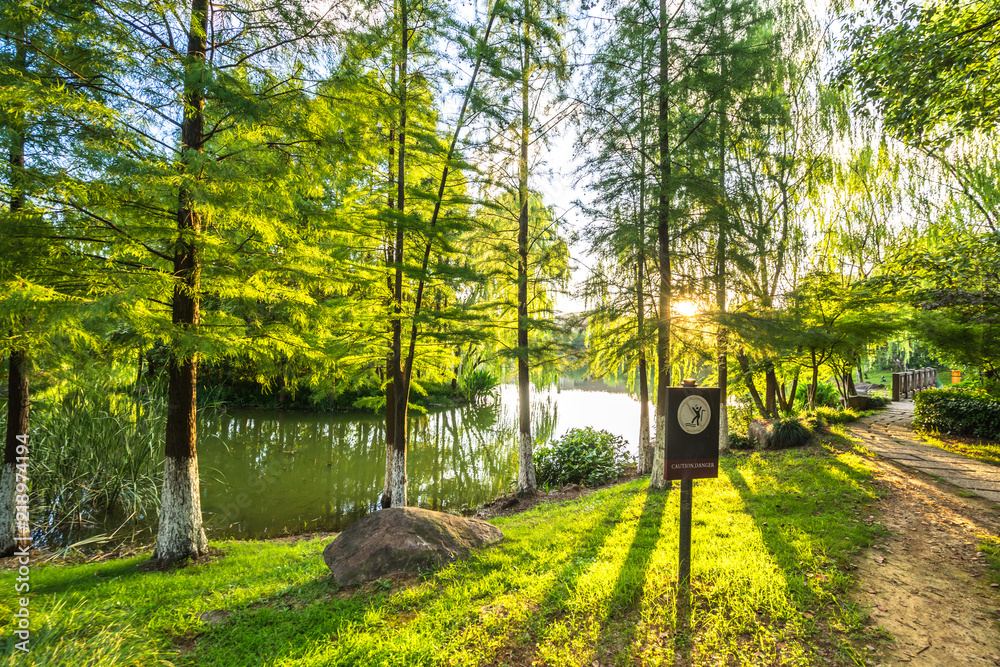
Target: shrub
(826, 395)
(582, 456)
(737, 441)
(875, 402)
(786, 433)
(740, 416)
(813, 420)
(477, 384)
(835, 416)
(971, 412)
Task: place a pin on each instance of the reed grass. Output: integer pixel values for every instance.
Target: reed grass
(96, 456)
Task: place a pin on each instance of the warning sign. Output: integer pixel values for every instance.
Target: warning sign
(692, 433)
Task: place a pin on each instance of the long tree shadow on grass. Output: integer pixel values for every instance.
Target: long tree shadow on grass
(363, 624)
(619, 624)
(802, 505)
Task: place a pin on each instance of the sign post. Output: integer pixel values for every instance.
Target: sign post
(692, 453)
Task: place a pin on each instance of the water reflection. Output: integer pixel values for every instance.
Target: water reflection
(267, 473)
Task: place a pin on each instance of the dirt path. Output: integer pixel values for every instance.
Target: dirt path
(926, 583)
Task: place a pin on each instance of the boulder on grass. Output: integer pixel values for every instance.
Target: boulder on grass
(760, 430)
(404, 539)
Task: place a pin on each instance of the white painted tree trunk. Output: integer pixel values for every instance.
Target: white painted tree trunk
(657, 479)
(7, 508)
(526, 464)
(399, 480)
(723, 427)
(180, 534)
(644, 445)
(389, 457)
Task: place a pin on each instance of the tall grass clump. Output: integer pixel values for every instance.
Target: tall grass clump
(787, 433)
(97, 452)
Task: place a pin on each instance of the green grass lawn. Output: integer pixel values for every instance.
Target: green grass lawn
(572, 583)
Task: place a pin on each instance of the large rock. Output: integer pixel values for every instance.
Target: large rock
(760, 432)
(404, 539)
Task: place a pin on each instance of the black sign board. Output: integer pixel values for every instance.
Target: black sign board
(692, 433)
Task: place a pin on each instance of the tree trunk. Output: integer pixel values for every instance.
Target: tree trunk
(390, 396)
(741, 357)
(15, 531)
(526, 462)
(795, 388)
(814, 383)
(645, 461)
(657, 477)
(401, 393)
(180, 534)
(390, 429)
(722, 338)
(770, 390)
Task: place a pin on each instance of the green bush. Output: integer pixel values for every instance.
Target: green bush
(875, 402)
(814, 420)
(835, 415)
(582, 456)
(960, 411)
(740, 416)
(737, 441)
(826, 395)
(788, 432)
(477, 384)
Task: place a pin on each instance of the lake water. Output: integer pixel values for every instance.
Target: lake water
(269, 473)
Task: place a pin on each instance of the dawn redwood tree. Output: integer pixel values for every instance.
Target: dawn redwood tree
(13, 533)
(529, 66)
(193, 198)
(415, 48)
(615, 123)
(42, 272)
(180, 534)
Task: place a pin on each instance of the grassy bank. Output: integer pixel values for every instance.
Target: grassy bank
(574, 583)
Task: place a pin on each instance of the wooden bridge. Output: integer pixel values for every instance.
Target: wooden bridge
(908, 383)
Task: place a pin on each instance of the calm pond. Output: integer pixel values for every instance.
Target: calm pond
(269, 473)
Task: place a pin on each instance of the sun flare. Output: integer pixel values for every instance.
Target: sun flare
(686, 308)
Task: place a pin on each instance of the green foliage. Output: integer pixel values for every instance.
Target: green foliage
(826, 395)
(737, 441)
(477, 384)
(876, 402)
(991, 549)
(928, 68)
(971, 412)
(740, 415)
(788, 432)
(834, 415)
(582, 456)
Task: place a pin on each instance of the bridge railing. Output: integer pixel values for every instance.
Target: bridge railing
(908, 383)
